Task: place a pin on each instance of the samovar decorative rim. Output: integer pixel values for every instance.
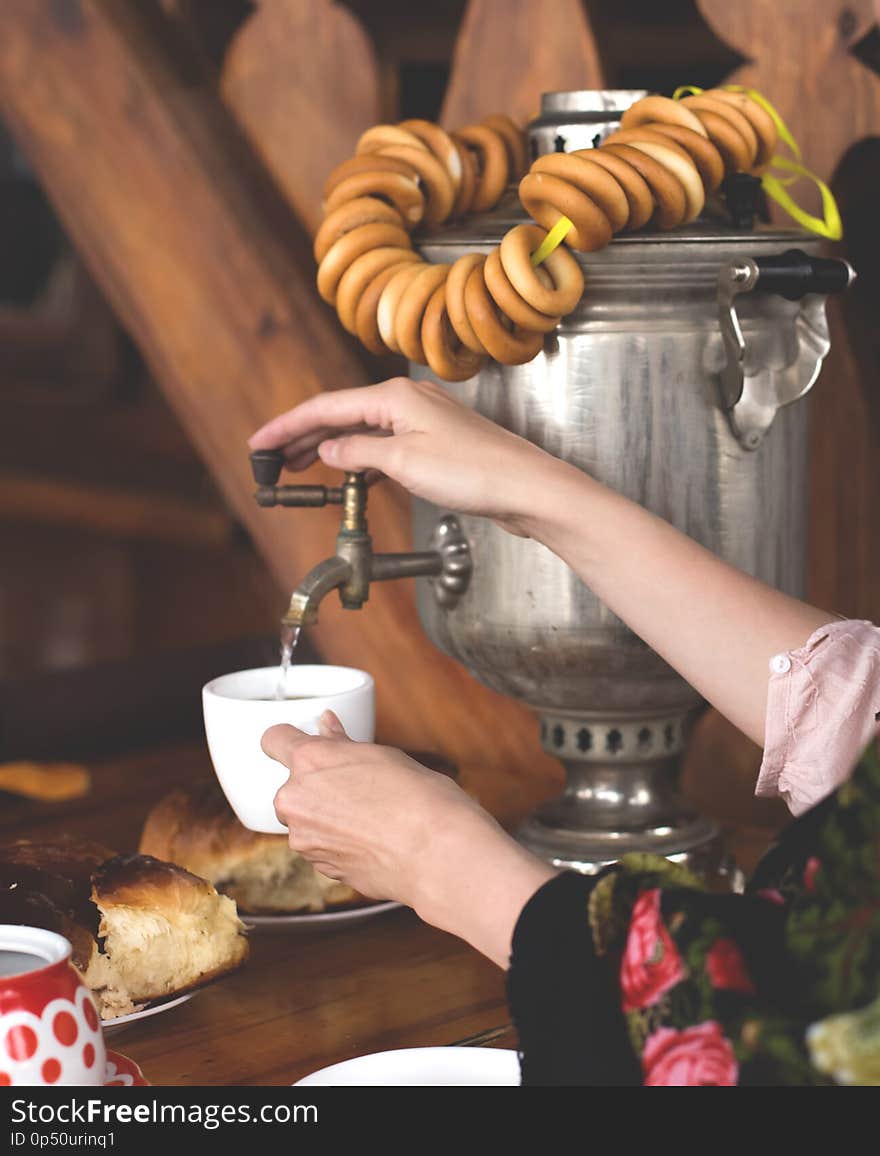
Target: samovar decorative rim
(489, 228)
(587, 100)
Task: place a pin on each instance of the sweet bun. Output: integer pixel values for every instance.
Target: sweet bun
(196, 827)
(164, 929)
(139, 929)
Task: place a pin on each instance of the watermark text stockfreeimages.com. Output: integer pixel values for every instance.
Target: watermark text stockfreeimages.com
(210, 1116)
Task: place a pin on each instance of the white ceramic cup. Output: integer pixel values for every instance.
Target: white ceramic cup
(239, 708)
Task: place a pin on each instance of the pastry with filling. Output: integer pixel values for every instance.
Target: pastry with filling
(196, 827)
(140, 929)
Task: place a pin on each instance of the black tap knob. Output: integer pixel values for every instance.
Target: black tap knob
(742, 192)
(793, 274)
(267, 466)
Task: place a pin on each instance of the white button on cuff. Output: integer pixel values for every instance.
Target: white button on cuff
(780, 664)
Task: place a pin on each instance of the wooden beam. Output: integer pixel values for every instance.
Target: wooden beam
(303, 117)
(510, 51)
(67, 345)
(199, 262)
(120, 514)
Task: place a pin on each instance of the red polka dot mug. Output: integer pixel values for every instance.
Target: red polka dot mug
(50, 1032)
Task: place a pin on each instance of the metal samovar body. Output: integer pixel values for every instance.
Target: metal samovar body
(672, 384)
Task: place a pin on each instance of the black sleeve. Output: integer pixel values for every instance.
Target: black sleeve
(564, 1000)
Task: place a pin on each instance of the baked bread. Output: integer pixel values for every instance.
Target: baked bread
(140, 929)
(49, 885)
(165, 930)
(196, 827)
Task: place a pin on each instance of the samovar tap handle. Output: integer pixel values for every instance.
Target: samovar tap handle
(752, 391)
(355, 567)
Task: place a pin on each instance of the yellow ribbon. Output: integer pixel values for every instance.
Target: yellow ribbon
(829, 224)
(552, 241)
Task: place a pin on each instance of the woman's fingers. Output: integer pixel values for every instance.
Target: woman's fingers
(302, 453)
(314, 437)
(282, 741)
(302, 460)
(373, 406)
(329, 726)
(358, 452)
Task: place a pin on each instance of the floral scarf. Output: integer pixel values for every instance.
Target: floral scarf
(779, 986)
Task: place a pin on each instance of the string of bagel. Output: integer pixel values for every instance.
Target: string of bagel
(655, 171)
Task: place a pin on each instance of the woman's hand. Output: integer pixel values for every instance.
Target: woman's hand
(417, 434)
(392, 829)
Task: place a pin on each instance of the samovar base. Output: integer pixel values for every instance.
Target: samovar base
(620, 796)
(692, 840)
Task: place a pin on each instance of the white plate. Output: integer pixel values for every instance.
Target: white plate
(114, 1026)
(315, 918)
(422, 1068)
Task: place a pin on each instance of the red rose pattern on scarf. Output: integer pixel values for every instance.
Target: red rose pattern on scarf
(695, 1013)
(697, 1057)
(651, 964)
(727, 968)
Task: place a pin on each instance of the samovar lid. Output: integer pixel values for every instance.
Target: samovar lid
(579, 119)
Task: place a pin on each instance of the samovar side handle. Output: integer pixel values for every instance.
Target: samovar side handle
(751, 392)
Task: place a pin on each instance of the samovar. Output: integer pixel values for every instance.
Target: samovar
(677, 382)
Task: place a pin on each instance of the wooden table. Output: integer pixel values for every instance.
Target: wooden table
(305, 998)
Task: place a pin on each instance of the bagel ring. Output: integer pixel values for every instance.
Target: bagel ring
(441, 144)
(568, 281)
(759, 118)
(510, 303)
(458, 318)
(465, 196)
(593, 180)
(411, 310)
(386, 310)
(676, 162)
(381, 136)
(357, 278)
(635, 188)
(664, 109)
(547, 197)
(351, 215)
(444, 353)
(700, 149)
(400, 189)
(365, 318)
(343, 252)
(433, 177)
(706, 102)
(492, 165)
(513, 142)
(732, 145)
(670, 204)
(509, 346)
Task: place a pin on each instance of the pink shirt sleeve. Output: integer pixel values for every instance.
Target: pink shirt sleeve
(823, 706)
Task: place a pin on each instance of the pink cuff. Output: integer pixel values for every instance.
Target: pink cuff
(823, 706)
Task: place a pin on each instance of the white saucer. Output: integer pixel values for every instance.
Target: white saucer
(114, 1026)
(422, 1068)
(316, 918)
